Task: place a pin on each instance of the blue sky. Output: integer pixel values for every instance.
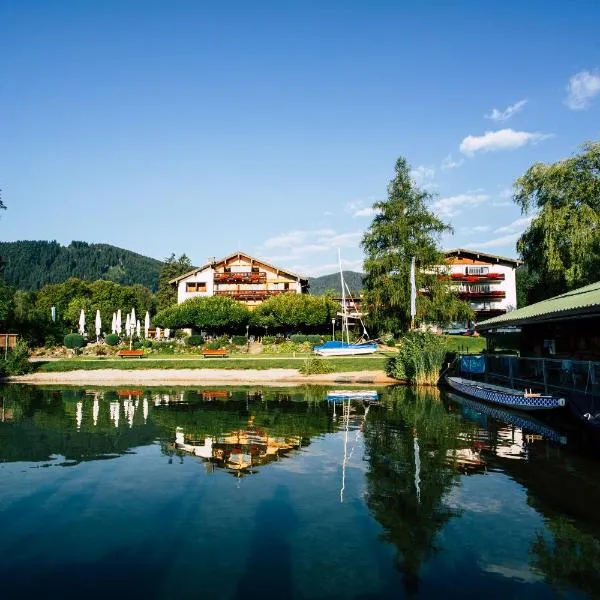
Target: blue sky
(205, 127)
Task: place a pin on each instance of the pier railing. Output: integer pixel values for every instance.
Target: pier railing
(544, 374)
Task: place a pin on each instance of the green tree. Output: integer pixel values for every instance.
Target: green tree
(561, 246)
(295, 311)
(212, 313)
(404, 227)
(172, 267)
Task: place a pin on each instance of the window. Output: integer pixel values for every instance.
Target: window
(286, 286)
(195, 286)
(478, 270)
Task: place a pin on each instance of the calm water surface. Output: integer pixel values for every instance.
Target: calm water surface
(274, 493)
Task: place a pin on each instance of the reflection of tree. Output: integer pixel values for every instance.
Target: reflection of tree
(409, 503)
(570, 559)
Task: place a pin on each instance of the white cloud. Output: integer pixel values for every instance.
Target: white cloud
(450, 163)
(505, 193)
(333, 267)
(475, 229)
(517, 226)
(507, 113)
(505, 240)
(293, 238)
(453, 205)
(582, 87)
(368, 211)
(422, 173)
(503, 139)
(502, 203)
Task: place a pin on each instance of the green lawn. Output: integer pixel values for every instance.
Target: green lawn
(465, 344)
(341, 363)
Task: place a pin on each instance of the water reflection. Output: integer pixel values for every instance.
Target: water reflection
(419, 492)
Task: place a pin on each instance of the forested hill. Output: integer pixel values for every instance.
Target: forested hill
(29, 265)
(319, 285)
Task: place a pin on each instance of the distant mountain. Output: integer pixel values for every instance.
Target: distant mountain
(30, 265)
(319, 285)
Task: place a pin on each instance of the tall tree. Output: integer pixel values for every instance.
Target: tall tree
(172, 267)
(561, 246)
(404, 227)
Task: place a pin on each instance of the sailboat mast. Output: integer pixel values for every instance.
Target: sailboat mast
(344, 315)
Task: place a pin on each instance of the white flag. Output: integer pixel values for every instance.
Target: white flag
(413, 290)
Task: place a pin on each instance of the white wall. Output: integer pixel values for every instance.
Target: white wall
(206, 276)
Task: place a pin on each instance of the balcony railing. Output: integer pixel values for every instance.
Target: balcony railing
(251, 294)
(472, 295)
(472, 278)
(242, 277)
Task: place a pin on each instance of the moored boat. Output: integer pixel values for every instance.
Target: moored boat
(522, 420)
(344, 349)
(503, 396)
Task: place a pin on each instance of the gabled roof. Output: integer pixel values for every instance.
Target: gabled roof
(239, 254)
(477, 255)
(582, 302)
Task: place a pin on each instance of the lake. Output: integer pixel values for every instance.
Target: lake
(255, 492)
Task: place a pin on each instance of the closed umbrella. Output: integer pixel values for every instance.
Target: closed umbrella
(132, 321)
(146, 324)
(118, 322)
(127, 325)
(137, 328)
(113, 327)
(98, 324)
(82, 322)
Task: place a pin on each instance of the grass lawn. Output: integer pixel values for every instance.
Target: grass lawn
(465, 344)
(340, 363)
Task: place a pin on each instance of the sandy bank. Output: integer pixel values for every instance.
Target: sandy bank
(158, 377)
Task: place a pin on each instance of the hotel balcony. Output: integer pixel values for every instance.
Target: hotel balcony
(479, 295)
(472, 278)
(251, 294)
(242, 277)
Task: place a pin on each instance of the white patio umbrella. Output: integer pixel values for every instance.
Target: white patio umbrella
(137, 328)
(118, 322)
(113, 327)
(158, 333)
(146, 324)
(82, 322)
(132, 321)
(127, 325)
(98, 324)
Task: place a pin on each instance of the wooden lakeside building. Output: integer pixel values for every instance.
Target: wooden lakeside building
(240, 276)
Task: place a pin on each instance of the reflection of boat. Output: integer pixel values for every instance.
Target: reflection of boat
(521, 420)
(345, 348)
(340, 395)
(504, 396)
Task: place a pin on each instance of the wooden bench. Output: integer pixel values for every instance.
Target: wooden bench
(210, 353)
(130, 353)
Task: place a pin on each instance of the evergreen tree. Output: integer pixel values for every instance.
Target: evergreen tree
(172, 267)
(404, 227)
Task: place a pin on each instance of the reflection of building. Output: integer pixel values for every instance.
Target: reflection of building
(238, 451)
(241, 277)
(486, 281)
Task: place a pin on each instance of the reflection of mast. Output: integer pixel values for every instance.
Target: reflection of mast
(79, 415)
(417, 468)
(346, 417)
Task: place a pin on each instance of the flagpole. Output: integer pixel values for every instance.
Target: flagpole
(413, 293)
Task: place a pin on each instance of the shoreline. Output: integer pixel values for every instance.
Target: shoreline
(183, 377)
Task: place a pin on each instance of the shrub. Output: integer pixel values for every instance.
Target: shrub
(74, 341)
(298, 338)
(313, 339)
(315, 366)
(17, 360)
(193, 340)
(268, 340)
(420, 358)
(213, 345)
(112, 339)
(239, 340)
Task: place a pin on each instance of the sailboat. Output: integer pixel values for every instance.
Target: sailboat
(344, 348)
